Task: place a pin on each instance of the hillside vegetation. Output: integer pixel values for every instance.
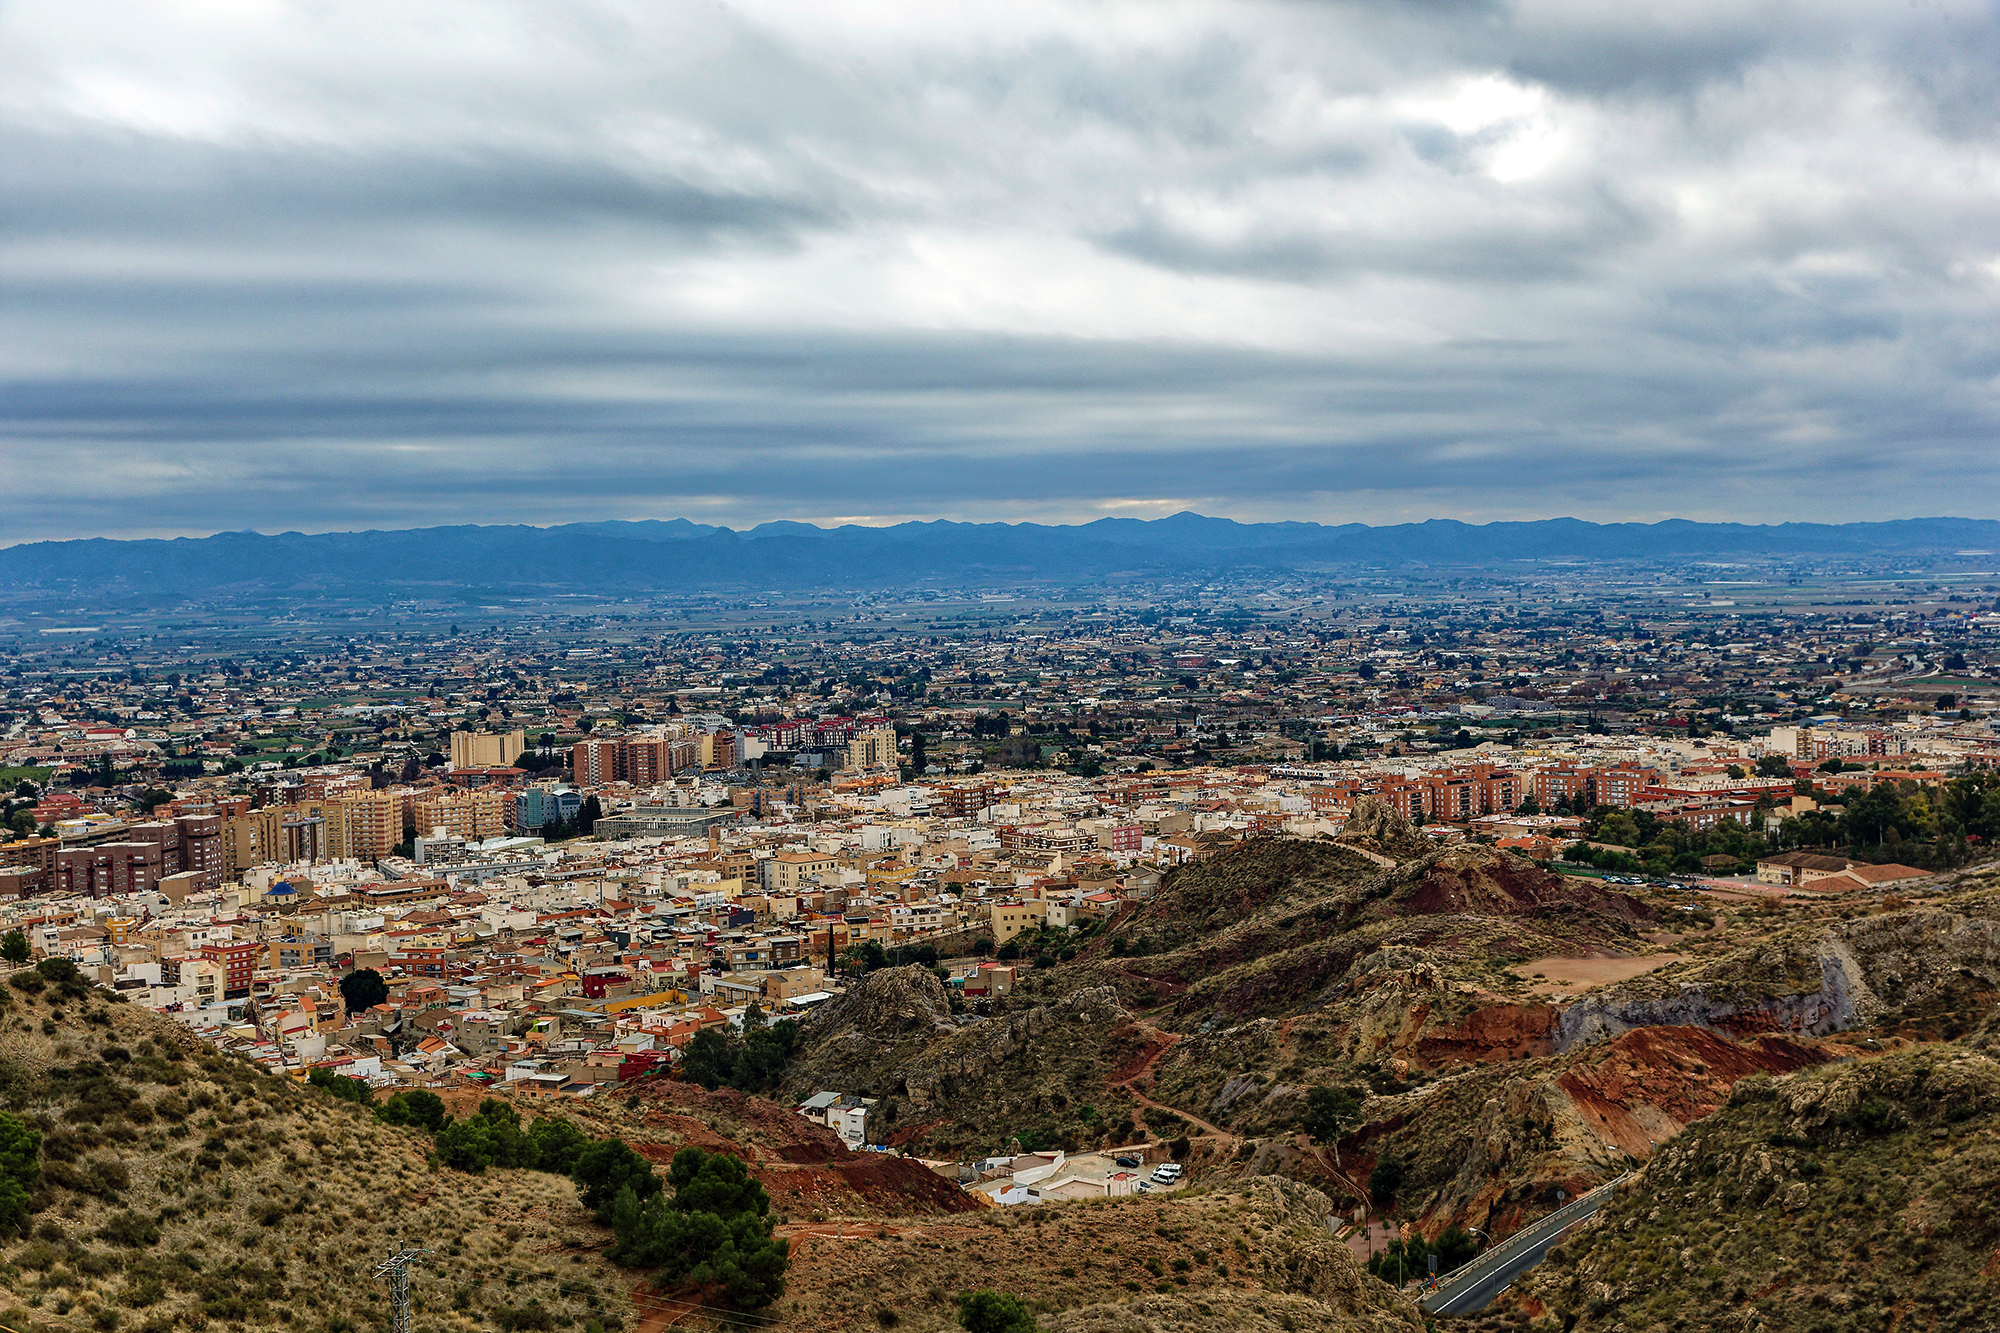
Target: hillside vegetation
(1854, 1197)
(182, 1188)
(1199, 1261)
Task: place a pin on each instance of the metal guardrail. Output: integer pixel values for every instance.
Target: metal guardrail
(1535, 1233)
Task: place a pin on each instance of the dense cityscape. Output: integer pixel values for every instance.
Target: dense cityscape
(221, 823)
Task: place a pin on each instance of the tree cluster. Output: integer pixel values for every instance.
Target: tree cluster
(20, 1168)
(1937, 828)
(1400, 1260)
(493, 1136)
(713, 1231)
(752, 1062)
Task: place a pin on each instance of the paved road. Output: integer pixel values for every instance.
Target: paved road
(1494, 1272)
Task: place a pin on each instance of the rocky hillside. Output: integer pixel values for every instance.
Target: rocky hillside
(1251, 1254)
(1501, 1144)
(183, 1188)
(1851, 1197)
(1917, 972)
(857, 1040)
(1278, 926)
(805, 1168)
(964, 1088)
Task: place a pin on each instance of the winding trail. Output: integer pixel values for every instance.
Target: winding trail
(1144, 1074)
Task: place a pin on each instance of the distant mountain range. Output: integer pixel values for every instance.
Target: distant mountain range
(677, 555)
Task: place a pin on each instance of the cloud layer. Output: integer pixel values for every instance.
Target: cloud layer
(309, 266)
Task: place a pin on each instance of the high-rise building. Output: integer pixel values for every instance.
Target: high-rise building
(473, 749)
(473, 815)
(873, 748)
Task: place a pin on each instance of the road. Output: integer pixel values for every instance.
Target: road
(1495, 1271)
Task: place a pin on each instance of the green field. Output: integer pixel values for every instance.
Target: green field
(11, 778)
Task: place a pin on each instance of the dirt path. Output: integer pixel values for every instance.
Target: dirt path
(1208, 1130)
(1144, 1074)
(1339, 1174)
(1572, 976)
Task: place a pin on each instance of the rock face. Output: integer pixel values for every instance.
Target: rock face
(859, 1042)
(1084, 1017)
(949, 1083)
(1836, 977)
(1480, 881)
(1374, 827)
(1860, 1190)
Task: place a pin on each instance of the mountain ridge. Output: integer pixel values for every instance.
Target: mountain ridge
(677, 554)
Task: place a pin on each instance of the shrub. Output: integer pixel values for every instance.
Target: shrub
(20, 1168)
(130, 1228)
(714, 1232)
(989, 1311)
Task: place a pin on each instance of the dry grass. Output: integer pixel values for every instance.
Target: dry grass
(183, 1188)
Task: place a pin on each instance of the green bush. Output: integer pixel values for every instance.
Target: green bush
(605, 1169)
(714, 1231)
(20, 1168)
(341, 1087)
(417, 1109)
(490, 1136)
(1385, 1180)
(989, 1311)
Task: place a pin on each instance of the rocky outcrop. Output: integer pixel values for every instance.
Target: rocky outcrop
(1479, 881)
(858, 1042)
(1386, 836)
(1078, 1023)
(1840, 976)
(1833, 1197)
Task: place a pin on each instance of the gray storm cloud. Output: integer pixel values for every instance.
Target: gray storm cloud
(320, 267)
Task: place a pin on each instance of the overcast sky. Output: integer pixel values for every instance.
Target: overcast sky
(339, 265)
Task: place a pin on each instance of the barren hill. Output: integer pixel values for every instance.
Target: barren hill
(1202, 1261)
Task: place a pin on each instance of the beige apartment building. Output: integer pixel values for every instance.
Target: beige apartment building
(872, 749)
(472, 815)
(793, 870)
(473, 749)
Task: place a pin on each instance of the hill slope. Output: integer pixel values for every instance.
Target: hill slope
(1863, 1196)
(183, 1187)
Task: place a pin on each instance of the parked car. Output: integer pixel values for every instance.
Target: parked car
(1129, 1163)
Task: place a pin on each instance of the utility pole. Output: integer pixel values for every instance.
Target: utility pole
(397, 1269)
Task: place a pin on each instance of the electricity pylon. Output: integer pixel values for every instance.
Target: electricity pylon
(397, 1269)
